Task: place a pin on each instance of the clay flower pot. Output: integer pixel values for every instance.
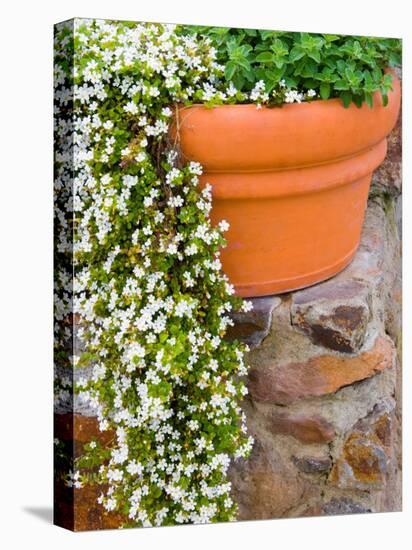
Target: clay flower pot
(292, 182)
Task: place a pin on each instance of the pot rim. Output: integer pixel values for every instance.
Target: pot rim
(240, 137)
(263, 107)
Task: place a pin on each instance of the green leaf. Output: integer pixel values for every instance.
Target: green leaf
(358, 99)
(249, 75)
(308, 69)
(296, 53)
(272, 75)
(341, 85)
(290, 82)
(324, 90)
(350, 74)
(157, 492)
(377, 74)
(395, 59)
(265, 57)
(315, 55)
(346, 98)
(330, 37)
(238, 81)
(230, 70)
(310, 83)
(369, 99)
(231, 46)
(341, 66)
(279, 48)
(260, 72)
(267, 34)
(244, 63)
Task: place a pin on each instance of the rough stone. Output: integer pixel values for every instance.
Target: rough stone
(79, 428)
(308, 429)
(372, 263)
(320, 375)
(388, 177)
(334, 314)
(342, 409)
(264, 486)
(72, 401)
(363, 463)
(312, 464)
(284, 342)
(341, 506)
(253, 326)
(365, 458)
(77, 510)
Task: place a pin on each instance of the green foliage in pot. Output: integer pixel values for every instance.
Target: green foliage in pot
(349, 67)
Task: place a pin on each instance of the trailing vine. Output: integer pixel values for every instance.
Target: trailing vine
(149, 295)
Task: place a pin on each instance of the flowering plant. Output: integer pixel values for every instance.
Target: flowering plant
(151, 303)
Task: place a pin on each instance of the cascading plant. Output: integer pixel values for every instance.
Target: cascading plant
(149, 295)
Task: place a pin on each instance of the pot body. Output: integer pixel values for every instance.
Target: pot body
(292, 182)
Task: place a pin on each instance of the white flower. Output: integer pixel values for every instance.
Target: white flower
(153, 91)
(134, 468)
(191, 249)
(224, 225)
(108, 125)
(175, 201)
(134, 350)
(110, 504)
(99, 372)
(231, 90)
(131, 107)
(247, 305)
(258, 91)
(293, 96)
(188, 279)
(184, 308)
(195, 168)
(193, 425)
(171, 248)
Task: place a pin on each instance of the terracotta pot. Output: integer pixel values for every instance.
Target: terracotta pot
(292, 182)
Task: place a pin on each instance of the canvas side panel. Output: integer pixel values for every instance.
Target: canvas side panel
(63, 276)
(76, 424)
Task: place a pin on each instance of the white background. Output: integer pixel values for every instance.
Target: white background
(26, 273)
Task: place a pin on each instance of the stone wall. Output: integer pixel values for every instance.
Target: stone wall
(324, 401)
(325, 380)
